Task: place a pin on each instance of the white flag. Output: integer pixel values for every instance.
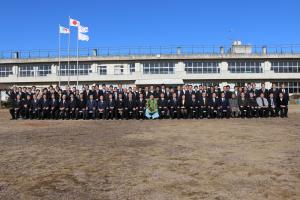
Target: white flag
(83, 29)
(83, 37)
(74, 22)
(64, 30)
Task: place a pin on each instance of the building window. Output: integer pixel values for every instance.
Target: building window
(132, 67)
(245, 67)
(26, 71)
(119, 70)
(83, 69)
(102, 70)
(158, 68)
(293, 87)
(285, 66)
(5, 71)
(202, 67)
(43, 70)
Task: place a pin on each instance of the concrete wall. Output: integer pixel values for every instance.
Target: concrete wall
(128, 77)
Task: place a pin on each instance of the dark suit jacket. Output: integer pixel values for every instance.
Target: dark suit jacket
(130, 104)
(162, 103)
(202, 103)
(45, 103)
(266, 92)
(17, 104)
(282, 102)
(224, 103)
(274, 91)
(102, 104)
(184, 104)
(140, 103)
(54, 104)
(213, 104)
(194, 103)
(285, 93)
(242, 102)
(81, 104)
(174, 103)
(63, 104)
(35, 104)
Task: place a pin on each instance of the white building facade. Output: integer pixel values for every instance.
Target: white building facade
(238, 66)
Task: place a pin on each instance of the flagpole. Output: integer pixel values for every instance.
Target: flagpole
(77, 55)
(59, 56)
(69, 53)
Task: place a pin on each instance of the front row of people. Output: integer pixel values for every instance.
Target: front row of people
(130, 108)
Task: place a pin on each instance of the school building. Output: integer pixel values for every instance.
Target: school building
(236, 64)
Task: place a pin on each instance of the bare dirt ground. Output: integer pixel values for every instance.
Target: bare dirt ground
(155, 160)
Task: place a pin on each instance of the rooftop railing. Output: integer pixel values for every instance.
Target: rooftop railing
(149, 50)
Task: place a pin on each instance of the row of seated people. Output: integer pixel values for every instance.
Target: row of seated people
(187, 90)
(130, 106)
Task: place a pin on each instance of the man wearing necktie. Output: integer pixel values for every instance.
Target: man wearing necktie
(282, 105)
(263, 105)
(272, 105)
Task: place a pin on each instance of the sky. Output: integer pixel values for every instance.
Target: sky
(33, 24)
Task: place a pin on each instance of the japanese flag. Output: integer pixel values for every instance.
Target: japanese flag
(64, 30)
(74, 22)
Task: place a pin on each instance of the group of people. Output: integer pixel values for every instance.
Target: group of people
(153, 102)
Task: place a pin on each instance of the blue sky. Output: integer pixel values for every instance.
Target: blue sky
(33, 24)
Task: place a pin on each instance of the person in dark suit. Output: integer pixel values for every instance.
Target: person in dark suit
(101, 108)
(285, 92)
(282, 105)
(254, 91)
(35, 107)
(217, 91)
(156, 92)
(227, 92)
(184, 106)
(12, 94)
(45, 107)
(17, 105)
(91, 106)
(174, 107)
(189, 93)
(224, 108)
(140, 107)
(204, 106)
(147, 93)
(274, 90)
(243, 105)
(72, 107)
(120, 113)
(213, 105)
(80, 112)
(194, 107)
(253, 107)
(236, 91)
(111, 106)
(263, 90)
(162, 104)
(179, 92)
(26, 107)
(168, 94)
(272, 105)
(54, 107)
(130, 107)
(64, 107)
